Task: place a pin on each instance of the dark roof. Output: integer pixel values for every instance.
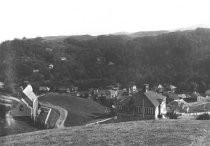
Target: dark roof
(192, 95)
(83, 92)
(171, 95)
(154, 97)
(104, 92)
(151, 95)
(122, 95)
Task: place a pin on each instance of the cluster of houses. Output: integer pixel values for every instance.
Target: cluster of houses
(133, 103)
(139, 104)
(136, 104)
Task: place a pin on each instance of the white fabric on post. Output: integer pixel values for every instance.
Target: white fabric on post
(28, 91)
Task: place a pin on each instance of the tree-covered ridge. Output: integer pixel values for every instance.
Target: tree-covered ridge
(181, 58)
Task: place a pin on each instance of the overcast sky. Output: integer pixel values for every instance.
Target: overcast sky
(32, 18)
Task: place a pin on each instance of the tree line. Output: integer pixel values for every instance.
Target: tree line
(180, 58)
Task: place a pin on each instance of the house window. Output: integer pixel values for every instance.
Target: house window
(149, 110)
(120, 107)
(127, 108)
(139, 109)
(145, 110)
(124, 108)
(136, 109)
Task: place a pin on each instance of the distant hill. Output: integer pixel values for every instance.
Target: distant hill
(141, 33)
(54, 38)
(89, 37)
(180, 58)
(61, 38)
(80, 110)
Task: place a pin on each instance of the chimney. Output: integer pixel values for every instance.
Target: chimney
(146, 88)
(160, 88)
(173, 89)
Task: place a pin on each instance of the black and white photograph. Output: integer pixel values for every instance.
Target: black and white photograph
(104, 72)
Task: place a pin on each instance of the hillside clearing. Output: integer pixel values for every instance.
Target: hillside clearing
(161, 132)
(80, 110)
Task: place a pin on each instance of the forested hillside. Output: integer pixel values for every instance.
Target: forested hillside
(181, 58)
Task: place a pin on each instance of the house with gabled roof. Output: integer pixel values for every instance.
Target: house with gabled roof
(141, 106)
(108, 94)
(171, 96)
(122, 95)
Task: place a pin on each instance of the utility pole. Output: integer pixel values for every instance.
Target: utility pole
(204, 107)
(143, 108)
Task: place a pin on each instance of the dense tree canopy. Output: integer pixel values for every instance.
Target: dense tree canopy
(181, 58)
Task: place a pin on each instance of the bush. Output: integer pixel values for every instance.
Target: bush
(204, 116)
(160, 116)
(172, 115)
(3, 111)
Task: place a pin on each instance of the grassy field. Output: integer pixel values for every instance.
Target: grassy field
(80, 110)
(160, 132)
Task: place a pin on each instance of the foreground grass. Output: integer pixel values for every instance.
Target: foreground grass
(163, 132)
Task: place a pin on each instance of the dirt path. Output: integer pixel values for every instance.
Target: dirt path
(63, 114)
(100, 121)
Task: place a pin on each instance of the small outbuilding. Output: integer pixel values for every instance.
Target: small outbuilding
(207, 92)
(1, 85)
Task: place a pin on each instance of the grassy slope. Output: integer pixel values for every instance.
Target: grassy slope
(79, 110)
(168, 132)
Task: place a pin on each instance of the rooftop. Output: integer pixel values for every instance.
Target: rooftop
(154, 97)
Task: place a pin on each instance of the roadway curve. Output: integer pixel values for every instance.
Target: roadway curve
(63, 114)
(8, 100)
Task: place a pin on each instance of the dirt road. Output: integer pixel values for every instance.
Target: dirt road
(63, 114)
